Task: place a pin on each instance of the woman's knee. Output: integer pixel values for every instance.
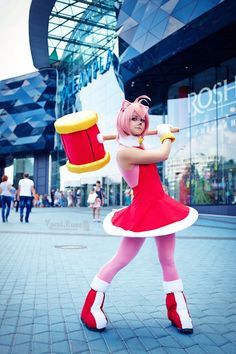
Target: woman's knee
(119, 263)
(166, 261)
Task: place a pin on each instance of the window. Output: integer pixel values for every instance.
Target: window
(227, 160)
(203, 169)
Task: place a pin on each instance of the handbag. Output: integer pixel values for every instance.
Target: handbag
(91, 198)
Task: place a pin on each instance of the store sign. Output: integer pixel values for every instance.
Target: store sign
(100, 65)
(221, 94)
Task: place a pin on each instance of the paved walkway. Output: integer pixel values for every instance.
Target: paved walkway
(47, 265)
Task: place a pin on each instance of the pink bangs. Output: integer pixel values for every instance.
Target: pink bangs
(127, 111)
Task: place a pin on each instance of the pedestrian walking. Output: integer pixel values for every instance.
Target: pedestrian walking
(98, 202)
(26, 192)
(52, 194)
(13, 196)
(17, 202)
(92, 201)
(78, 197)
(5, 192)
(151, 214)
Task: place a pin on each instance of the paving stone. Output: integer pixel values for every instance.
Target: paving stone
(21, 339)
(212, 350)
(6, 339)
(231, 337)
(113, 341)
(79, 347)
(98, 346)
(218, 339)
(5, 349)
(202, 339)
(25, 320)
(61, 347)
(21, 348)
(168, 342)
(77, 335)
(185, 341)
(149, 343)
(175, 351)
(40, 328)
(58, 336)
(43, 337)
(158, 351)
(196, 349)
(6, 329)
(229, 348)
(40, 348)
(73, 326)
(25, 329)
(134, 344)
(58, 327)
(125, 333)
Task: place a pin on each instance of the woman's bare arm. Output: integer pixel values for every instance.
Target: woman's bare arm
(128, 156)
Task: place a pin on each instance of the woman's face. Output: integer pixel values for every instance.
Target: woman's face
(137, 124)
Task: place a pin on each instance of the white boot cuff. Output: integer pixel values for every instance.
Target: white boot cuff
(173, 286)
(99, 284)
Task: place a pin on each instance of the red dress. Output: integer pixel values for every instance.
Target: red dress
(152, 212)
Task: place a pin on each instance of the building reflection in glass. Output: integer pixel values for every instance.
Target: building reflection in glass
(201, 169)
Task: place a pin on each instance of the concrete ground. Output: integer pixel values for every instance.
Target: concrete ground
(47, 265)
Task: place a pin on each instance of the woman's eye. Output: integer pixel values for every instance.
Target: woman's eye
(142, 120)
(134, 119)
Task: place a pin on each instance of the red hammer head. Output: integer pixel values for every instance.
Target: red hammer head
(82, 141)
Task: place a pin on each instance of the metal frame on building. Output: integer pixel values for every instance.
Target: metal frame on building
(81, 29)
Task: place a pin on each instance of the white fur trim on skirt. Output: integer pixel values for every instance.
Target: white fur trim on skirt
(162, 231)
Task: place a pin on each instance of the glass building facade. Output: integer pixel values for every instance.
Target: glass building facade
(27, 112)
(27, 115)
(202, 166)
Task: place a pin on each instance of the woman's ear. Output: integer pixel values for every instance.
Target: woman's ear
(125, 104)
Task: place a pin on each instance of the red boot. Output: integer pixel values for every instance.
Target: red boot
(177, 309)
(92, 314)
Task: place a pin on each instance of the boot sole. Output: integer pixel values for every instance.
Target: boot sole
(91, 328)
(183, 330)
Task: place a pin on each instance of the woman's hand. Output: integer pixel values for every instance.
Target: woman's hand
(164, 132)
(163, 129)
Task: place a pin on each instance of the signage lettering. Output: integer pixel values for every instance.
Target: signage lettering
(219, 94)
(100, 65)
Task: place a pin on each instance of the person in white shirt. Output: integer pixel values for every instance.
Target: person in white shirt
(25, 192)
(5, 193)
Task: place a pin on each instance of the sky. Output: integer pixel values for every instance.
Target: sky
(15, 58)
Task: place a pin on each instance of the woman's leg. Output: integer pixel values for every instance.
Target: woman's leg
(166, 250)
(98, 209)
(177, 309)
(8, 201)
(94, 209)
(22, 206)
(3, 200)
(92, 313)
(127, 250)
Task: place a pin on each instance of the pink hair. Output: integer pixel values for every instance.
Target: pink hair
(126, 113)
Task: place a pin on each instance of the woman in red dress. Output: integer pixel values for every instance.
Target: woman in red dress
(152, 214)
